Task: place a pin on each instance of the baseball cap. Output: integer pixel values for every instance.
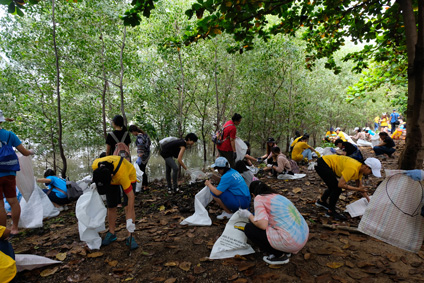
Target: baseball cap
(337, 129)
(2, 119)
(331, 129)
(375, 166)
(220, 162)
(356, 129)
(270, 140)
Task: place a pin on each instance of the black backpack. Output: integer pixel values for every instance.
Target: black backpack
(102, 176)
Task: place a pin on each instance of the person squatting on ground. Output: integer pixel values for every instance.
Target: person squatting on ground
(277, 226)
(109, 174)
(228, 148)
(340, 135)
(330, 135)
(248, 158)
(245, 172)
(270, 143)
(143, 151)
(8, 177)
(386, 146)
(331, 167)
(232, 193)
(7, 257)
(303, 151)
(296, 140)
(175, 149)
(57, 191)
(278, 163)
(348, 149)
(359, 134)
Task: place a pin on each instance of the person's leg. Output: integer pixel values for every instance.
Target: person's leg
(330, 179)
(168, 161)
(143, 169)
(260, 239)
(113, 197)
(3, 215)
(16, 213)
(111, 219)
(174, 167)
(378, 150)
(221, 204)
(8, 185)
(307, 153)
(229, 156)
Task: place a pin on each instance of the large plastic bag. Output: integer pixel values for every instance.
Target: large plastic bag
(253, 169)
(29, 262)
(361, 142)
(233, 241)
(290, 177)
(357, 208)
(241, 149)
(393, 214)
(348, 138)
(375, 140)
(139, 175)
(25, 177)
(324, 151)
(85, 183)
(196, 174)
(201, 215)
(91, 214)
(36, 209)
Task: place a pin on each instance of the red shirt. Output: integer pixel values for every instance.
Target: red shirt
(229, 133)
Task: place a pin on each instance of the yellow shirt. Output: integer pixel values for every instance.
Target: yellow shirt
(377, 119)
(383, 122)
(295, 141)
(7, 264)
(342, 136)
(298, 149)
(344, 166)
(330, 134)
(126, 173)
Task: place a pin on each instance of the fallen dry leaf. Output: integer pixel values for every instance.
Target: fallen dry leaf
(307, 256)
(357, 238)
(234, 277)
(349, 264)
(241, 280)
(49, 271)
(297, 190)
(185, 265)
(61, 256)
(364, 264)
(335, 265)
(197, 241)
(275, 266)
(199, 270)
(95, 254)
(113, 263)
(171, 280)
(392, 257)
(239, 257)
(246, 265)
(163, 222)
(339, 278)
(172, 263)
(159, 279)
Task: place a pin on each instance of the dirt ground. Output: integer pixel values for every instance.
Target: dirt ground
(170, 252)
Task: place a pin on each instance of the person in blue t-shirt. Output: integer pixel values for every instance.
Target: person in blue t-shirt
(56, 189)
(8, 179)
(232, 193)
(394, 120)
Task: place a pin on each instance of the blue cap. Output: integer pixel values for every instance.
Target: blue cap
(331, 129)
(220, 162)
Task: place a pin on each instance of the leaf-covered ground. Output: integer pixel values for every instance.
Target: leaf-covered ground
(170, 252)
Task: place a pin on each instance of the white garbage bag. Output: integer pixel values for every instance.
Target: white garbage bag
(36, 209)
(290, 177)
(364, 143)
(29, 262)
(375, 140)
(253, 169)
(25, 177)
(196, 174)
(201, 215)
(357, 208)
(233, 241)
(139, 175)
(84, 184)
(91, 214)
(348, 138)
(241, 149)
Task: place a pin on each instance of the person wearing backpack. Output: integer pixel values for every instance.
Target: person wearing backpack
(175, 148)
(227, 148)
(110, 173)
(118, 135)
(143, 150)
(8, 174)
(57, 191)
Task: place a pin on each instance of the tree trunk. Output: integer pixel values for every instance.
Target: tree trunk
(413, 155)
(121, 77)
(181, 99)
(59, 115)
(105, 85)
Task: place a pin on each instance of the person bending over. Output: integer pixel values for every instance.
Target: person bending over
(331, 167)
(303, 151)
(57, 191)
(279, 163)
(349, 149)
(277, 226)
(232, 192)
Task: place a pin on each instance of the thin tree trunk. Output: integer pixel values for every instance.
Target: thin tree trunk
(181, 99)
(59, 115)
(218, 116)
(105, 85)
(121, 77)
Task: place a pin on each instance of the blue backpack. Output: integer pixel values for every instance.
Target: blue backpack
(8, 159)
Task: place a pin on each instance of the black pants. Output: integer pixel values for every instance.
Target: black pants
(229, 155)
(393, 129)
(259, 238)
(330, 179)
(143, 169)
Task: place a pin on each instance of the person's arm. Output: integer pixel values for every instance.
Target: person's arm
(24, 151)
(107, 149)
(382, 143)
(362, 189)
(44, 180)
(212, 188)
(248, 157)
(180, 157)
(261, 224)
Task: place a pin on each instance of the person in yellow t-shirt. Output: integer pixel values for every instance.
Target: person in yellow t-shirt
(330, 135)
(331, 167)
(108, 182)
(376, 123)
(340, 135)
(7, 257)
(303, 151)
(383, 122)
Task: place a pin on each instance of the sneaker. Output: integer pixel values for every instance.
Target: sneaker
(322, 204)
(60, 208)
(134, 245)
(109, 238)
(336, 216)
(178, 190)
(170, 191)
(272, 259)
(224, 215)
(65, 208)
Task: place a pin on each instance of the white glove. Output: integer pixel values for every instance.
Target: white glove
(130, 226)
(244, 213)
(269, 165)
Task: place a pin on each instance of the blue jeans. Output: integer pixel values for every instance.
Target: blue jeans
(307, 153)
(376, 127)
(383, 150)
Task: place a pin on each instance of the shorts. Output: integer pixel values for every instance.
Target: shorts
(233, 202)
(8, 186)
(115, 194)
